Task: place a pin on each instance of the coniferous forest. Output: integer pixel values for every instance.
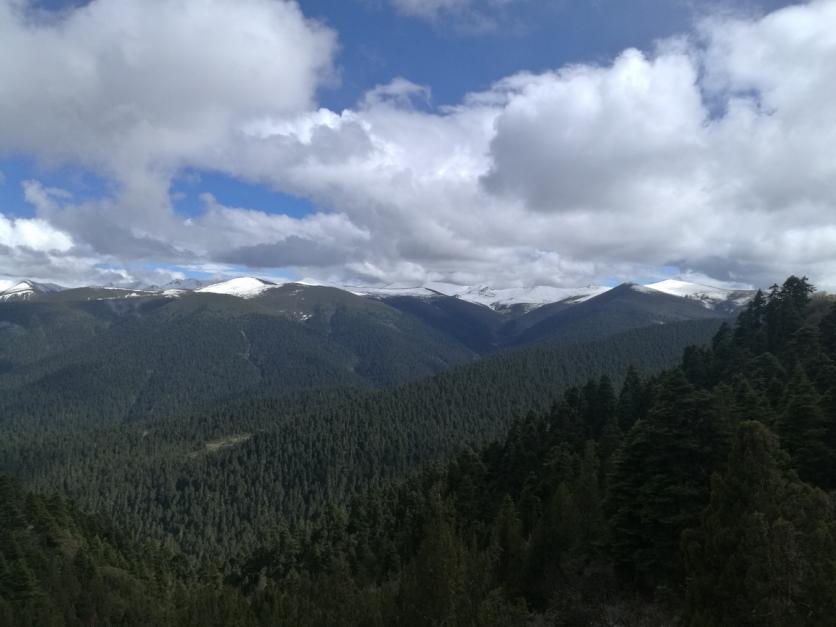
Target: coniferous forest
(622, 481)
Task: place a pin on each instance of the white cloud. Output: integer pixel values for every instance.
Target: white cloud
(132, 84)
(702, 155)
(34, 234)
(711, 153)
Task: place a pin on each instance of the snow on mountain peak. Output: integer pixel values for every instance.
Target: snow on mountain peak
(391, 290)
(708, 295)
(533, 296)
(25, 290)
(495, 298)
(242, 287)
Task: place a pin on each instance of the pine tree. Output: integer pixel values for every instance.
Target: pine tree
(507, 537)
(765, 552)
(601, 403)
(660, 482)
(632, 401)
(609, 443)
(785, 311)
(803, 429)
(19, 581)
(433, 585)
(827, 330)
(586, 495)
(749, 330)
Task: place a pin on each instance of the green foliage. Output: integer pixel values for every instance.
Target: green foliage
(765, 551)
(660, 480)
(213, 483)
(803, 428)
(60, 567)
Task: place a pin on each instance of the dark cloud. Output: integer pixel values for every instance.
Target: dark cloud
(293, 251)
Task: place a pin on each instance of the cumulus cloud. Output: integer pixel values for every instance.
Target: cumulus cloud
(711, 153)
(34, 234)
(135, 90)
(695, 155)
(137, 82)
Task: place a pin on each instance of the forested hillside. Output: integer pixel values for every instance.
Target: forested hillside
(212, 482)
(695, 497)
(123, 359)
(107, 356)
(701, 495)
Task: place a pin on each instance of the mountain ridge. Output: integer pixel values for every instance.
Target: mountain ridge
(514, 300)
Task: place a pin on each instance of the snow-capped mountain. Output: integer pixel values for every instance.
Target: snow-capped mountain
(711, 296)
(496, 299)
(530, 297)
(388, 291)
(242, 287)
(505, 300)
(26, 290)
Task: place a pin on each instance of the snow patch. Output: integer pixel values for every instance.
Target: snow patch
(529, 296)
(242, 287)
(709, 295)
(418, 291)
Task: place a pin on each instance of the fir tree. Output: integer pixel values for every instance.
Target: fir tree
(660, 481)
(632, 400)
(765, 552)
(803, 428)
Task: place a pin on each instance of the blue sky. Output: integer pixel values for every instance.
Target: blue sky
(283, 163)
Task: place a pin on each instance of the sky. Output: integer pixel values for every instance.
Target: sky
(508, 143)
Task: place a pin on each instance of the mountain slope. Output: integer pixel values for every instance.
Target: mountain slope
(271, 457)
(625, 307)
(528, 298)
(474, 325)
(125, 353)
(121, 357)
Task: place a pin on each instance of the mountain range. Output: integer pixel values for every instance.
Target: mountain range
(508, 300)
(209, 417)
(118, 352)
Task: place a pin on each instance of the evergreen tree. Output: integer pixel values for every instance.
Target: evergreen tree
(749, 329)
(785, 311)
(660, 481)
(765, 552)
(632, 400)
(510, 547)
(804, 429)
(827, 331)
(432, 590)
